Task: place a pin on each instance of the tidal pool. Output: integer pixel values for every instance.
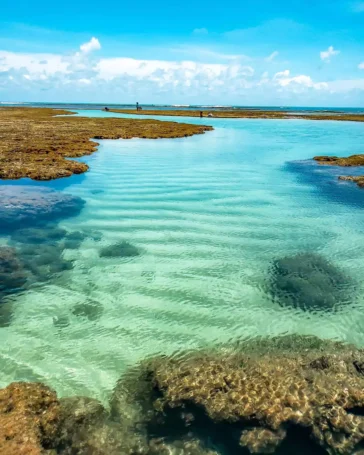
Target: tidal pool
(174, 249)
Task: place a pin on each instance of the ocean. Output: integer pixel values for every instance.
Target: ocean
(199, 224)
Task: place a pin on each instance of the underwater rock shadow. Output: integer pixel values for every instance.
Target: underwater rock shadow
(326, 180)
(36, 256)
(310, 282)
(24, 206)
(121, 249)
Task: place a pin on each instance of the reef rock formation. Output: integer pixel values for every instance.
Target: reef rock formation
(88, 429)
(359, 179)
(13, 276)
(29, 419)
(260, 395)
(22, 206)
(308, 281)
(119, 250)
(353, 160)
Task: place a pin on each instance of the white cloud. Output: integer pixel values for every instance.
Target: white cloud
(326, 55)
(92, 45)
(272, 56)
(201, 31)
(34, 63)
(346, 85)
(84, 74)
(361, 66)
(169, 75)
(297, 83)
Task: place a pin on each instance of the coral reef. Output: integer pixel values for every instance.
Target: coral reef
(35, 143)
(29, 419)
(359, 180)
(353, 160)
(25, 206)
(119, 250)
(91, 310)
(13, 275)
(283, 395)
(256, 395)
(308, 281)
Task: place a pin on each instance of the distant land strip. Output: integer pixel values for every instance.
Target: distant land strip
(241, 113)
(36, 142)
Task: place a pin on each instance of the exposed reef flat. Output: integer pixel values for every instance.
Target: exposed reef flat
(353, 160)
(241, 113)
(35, 144)
(359, 180)
(283, 395)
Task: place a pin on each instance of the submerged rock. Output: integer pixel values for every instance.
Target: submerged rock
(13, 276)
(29, 419)
(47, 234)
(309, 281)
(44, 260)
(119, 250)
(33, 206)
(358, 179)
(91, 310)
(88, 429)
(263, 397)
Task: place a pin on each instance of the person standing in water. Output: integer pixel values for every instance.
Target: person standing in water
(201, 114)
(137, 106)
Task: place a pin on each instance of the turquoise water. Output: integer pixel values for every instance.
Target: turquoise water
(208, 215)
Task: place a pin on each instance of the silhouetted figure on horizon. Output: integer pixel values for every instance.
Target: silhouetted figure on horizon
(201, 114)
(137, 106)
(106, 108)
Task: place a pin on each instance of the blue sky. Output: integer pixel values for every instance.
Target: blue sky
(253, 52)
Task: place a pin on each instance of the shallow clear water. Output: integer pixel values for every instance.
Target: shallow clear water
(208, 214)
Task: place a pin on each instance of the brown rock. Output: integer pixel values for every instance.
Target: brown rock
(264, 392)
(29, 419)
(35, 144)
(359, 180)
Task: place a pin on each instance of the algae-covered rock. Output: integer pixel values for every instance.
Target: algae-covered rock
(88, 429)
(29, 419)
(22, 206)
(13, 276)
(256, 398)
(119, 250)
(38, 235)
(309, 281)
(91, 310)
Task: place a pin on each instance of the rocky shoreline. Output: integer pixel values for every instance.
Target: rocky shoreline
(261, 396)
(35, 142)
(244, 113)
(350, 161)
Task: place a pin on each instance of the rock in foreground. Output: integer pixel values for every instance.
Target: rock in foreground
(29, 419)
(258, 398)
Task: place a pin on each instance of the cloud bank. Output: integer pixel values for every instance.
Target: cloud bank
(87, 76)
